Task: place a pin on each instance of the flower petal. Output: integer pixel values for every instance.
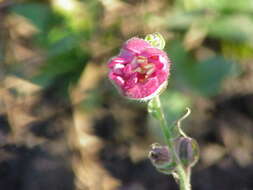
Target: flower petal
(136, 45)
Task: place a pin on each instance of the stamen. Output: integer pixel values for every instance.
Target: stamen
(150, 71)
(142, 59)
(138, 69)
(118, 66)
(148, 66)
(119, 60)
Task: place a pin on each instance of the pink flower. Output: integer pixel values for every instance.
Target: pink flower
(140, 71)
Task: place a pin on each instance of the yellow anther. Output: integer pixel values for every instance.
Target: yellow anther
(142, 59)
(150, 71)
(148, 66)
(138, 69)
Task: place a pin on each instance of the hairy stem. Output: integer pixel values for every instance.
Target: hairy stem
(182, 173)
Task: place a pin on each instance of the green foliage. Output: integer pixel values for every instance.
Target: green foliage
(232, 27)
(218, 5)
(64, 56)
(174, 104)
(38, 14)
(204, 77)
(221, 18)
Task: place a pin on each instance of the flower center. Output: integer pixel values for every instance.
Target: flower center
(144, 68)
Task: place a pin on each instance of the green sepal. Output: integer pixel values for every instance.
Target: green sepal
(168, 168)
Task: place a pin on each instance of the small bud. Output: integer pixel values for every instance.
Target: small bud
(188, 151)
(161, 158)
(156, 40)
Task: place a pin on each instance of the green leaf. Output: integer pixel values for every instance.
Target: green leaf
(63, 45)
(217, 5)
(237, 28)
(204, 77)
(174, 104)
(207, 76)
(67, 66)
(239, 6)
(183, 20)
(38, 14)
(237, 51)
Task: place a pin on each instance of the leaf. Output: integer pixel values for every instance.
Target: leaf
(237, 51)
(237, 28)
(38, 14)
(174, 104)
(245, 6)
(182, 20)
(218, 5)
(63, 45)
(66, 67)
(204, 77)
(207, 76)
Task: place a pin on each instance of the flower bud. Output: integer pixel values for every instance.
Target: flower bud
(187, 150)
(156, 40)
(162, 159)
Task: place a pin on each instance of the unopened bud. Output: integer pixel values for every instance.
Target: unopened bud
(161, 158)
(156, 40)
(188, 151)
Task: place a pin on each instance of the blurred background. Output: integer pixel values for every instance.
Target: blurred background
(63, 126)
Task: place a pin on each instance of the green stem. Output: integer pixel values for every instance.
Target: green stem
(182, 173)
